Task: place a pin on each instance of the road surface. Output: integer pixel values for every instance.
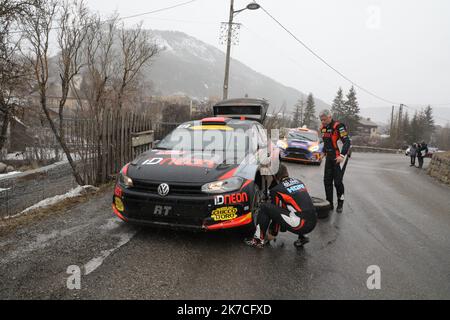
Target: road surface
(395, 217)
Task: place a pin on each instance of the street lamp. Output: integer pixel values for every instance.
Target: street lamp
(250, 6)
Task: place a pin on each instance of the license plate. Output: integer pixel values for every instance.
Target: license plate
(162, 210)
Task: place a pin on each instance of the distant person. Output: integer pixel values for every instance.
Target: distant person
(413, 154)
(422, 153)
(332, 131)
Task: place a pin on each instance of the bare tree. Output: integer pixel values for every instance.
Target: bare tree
(73, 22)
(37, 27)
(12, 68)
(137, 50)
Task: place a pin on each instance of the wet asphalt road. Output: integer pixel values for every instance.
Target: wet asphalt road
(395, 217)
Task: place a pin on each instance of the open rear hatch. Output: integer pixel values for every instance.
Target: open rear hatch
(245, 108)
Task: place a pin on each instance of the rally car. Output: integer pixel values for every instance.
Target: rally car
(301, 144)
(205, 175)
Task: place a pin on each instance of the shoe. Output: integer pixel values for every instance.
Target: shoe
(302, 240)
(255, 242)
(340, 206)
(331, 204)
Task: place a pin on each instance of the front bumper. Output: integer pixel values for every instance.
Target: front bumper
(192, 212)
(301, 155)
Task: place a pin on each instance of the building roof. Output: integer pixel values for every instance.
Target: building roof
(367, 122)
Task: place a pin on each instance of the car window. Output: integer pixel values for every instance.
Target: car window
(303, 135)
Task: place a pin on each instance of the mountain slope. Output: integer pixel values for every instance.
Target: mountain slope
(195, 68)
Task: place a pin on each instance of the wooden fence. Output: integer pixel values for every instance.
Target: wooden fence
(102, 145)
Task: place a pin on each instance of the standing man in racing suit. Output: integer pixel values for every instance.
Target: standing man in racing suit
(332, 131)
(290, 209)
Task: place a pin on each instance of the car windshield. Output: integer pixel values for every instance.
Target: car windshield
(199, 139)
(308, 136)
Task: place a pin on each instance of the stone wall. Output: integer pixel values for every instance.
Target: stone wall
(439, 167)
(22, 190)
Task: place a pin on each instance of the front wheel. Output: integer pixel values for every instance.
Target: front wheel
(249, 230)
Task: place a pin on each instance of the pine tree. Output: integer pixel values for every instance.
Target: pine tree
(428, 125)
(297, 120)
(414, 129)
(406, 132)
(310, 112)
(338, 106)
(351, 110)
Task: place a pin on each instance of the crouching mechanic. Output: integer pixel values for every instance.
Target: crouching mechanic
(290, 209)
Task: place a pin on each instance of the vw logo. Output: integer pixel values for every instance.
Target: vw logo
(163, 189)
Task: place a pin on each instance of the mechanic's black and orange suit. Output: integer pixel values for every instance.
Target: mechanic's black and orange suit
(291, 209)
(331, 134)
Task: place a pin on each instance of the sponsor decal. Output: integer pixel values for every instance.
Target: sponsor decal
(290, 182)
(231, 198)
(162, 210)
(188, 162)
(119, 204)
(224, 213)
(295, 188)
(118, 191)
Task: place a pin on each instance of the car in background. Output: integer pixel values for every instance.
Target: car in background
(301, 144)
(431, 151)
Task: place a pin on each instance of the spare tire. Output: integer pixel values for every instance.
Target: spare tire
(322, 207)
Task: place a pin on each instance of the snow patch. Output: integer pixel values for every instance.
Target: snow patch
(51, 201)
(3, 175)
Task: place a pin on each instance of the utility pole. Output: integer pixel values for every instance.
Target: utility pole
(392, 122)
(399, 129)
(227, 61)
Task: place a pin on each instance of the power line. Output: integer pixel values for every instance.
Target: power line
(158, 10)
(340, 73)
(324, 61)
(131, 16)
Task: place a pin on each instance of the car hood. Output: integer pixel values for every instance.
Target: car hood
(300, 143)
(176, 166)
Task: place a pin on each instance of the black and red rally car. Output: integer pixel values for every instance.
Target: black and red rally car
(205, 175)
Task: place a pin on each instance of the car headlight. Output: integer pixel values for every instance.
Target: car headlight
(313, 148)
(223, 186)
(282, 144)
(125, 180)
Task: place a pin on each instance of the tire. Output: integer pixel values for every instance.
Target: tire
(249, 230)
(322, 207)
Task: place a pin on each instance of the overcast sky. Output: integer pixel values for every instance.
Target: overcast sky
(398, 49)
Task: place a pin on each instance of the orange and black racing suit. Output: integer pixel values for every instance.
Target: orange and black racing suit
(331, 134)
(291, 209)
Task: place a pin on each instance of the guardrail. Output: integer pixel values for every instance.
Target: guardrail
(375, 149)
